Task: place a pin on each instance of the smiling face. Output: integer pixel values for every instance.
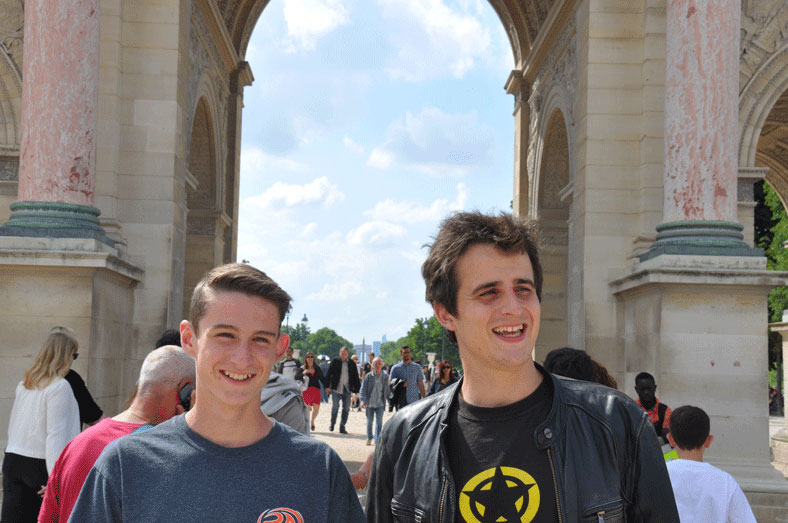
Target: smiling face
(235, 345)
(498, 311)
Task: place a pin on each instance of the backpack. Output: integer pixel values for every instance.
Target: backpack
(281, 400)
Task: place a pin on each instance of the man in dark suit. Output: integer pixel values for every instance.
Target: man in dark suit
(342, 380)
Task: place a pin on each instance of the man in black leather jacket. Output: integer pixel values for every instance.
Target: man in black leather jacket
(511, 442)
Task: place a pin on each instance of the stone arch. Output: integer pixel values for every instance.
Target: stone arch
(552, 208)
(205, 222)
(763, 120)
(522, 21)
(11, 22)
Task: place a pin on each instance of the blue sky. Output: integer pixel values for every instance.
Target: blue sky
(368, 122)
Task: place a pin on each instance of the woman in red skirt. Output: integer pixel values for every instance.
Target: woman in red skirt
(314, 376)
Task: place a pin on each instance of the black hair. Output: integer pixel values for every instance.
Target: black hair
(645, 376)
(169, 337)
(571, 363)
(690, 427)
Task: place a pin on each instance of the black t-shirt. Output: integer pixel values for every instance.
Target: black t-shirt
(499, 473)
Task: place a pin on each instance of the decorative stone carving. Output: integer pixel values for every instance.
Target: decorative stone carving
(764, 31)
(558, 74)
(11, 31)
(9, 169)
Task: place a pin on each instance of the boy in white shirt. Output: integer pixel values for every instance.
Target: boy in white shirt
(703, 492)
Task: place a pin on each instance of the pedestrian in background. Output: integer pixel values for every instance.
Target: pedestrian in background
(374, 391)
(44, 418)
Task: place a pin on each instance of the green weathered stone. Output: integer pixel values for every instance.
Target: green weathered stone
(54, 220)
(701, 237)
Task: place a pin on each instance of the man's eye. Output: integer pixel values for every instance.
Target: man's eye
(489, 292)
(261, 339)
(225, 335)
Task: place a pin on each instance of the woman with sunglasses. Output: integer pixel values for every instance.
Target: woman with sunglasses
(314, 377)
(445, 378)
(44, 418)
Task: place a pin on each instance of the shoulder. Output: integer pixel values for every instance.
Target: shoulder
(59, 387)
(417, 414)
(309, 449)
(599, 402)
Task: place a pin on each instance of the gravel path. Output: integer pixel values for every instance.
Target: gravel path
(351, 447)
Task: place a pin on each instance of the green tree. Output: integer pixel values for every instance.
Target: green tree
(327, 341)
(426, 335)
(771, 232)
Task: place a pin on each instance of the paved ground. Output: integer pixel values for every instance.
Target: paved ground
(352, 447)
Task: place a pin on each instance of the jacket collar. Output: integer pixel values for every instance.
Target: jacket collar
(545, 435)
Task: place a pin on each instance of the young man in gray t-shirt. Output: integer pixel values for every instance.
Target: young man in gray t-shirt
(224, 460)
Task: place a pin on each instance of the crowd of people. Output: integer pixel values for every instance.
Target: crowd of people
(509, 440)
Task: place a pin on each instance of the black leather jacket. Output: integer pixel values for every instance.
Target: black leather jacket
(607, 464)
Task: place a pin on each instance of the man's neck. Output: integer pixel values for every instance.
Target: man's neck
(229, 427)
(143, 410)
(491, 388)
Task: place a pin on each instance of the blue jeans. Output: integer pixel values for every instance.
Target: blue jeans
(335, 397)
(374, 412)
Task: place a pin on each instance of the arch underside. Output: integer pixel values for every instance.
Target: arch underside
(772, 150)
(522, 21)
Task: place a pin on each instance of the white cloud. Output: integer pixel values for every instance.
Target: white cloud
(434, 38)
(319, 192)
(375, 233)
(255, 161)
(337, 291)
(416, 212)
(435, 143)
(309, 20)
(352, 146)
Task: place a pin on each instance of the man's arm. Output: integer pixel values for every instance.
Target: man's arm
(97, 501)
(380, 489)
(739, 510)
(653, 494)
(421, 383)
(343, 500)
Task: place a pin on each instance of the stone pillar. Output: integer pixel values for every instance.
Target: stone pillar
(692, 309)
(59, 107)
(780, 440)
(701, 130)
(521, 90)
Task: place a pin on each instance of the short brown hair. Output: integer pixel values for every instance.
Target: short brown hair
(237, 277)
(461, 230)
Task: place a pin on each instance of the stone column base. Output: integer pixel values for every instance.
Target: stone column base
(78, 283)
(699, 325)
(700, 238)
(54, 220)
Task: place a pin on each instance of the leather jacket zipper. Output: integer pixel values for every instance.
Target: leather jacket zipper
(601, 516)
(443, 499)
(555, 487)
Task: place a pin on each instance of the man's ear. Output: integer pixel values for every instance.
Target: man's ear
(444, 316)
(281, 345)
(188, 338)
(671, 440)
(708, 441)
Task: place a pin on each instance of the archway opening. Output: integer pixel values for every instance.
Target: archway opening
(205, 224)
(385, 129)
(552, 211)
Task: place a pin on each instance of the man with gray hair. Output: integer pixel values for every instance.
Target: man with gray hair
(164, 390)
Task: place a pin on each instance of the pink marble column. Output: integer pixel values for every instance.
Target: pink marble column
(59, 101)
(701, 109)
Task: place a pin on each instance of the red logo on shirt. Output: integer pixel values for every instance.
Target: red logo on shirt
(280, 515)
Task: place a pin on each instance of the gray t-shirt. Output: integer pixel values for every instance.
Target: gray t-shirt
(170, 473)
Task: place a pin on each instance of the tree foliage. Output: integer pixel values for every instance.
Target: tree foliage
(326, 341)
(426, 335)
(771, 232)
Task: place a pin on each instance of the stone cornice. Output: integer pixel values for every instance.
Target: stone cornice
(219, 35)
(551, 28)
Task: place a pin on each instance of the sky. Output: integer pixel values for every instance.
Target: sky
(368, 122)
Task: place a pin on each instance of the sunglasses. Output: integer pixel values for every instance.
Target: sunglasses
(310, 357)
(76, 355)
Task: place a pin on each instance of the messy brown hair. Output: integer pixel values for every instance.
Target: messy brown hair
(458, 232)
(237, 277)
